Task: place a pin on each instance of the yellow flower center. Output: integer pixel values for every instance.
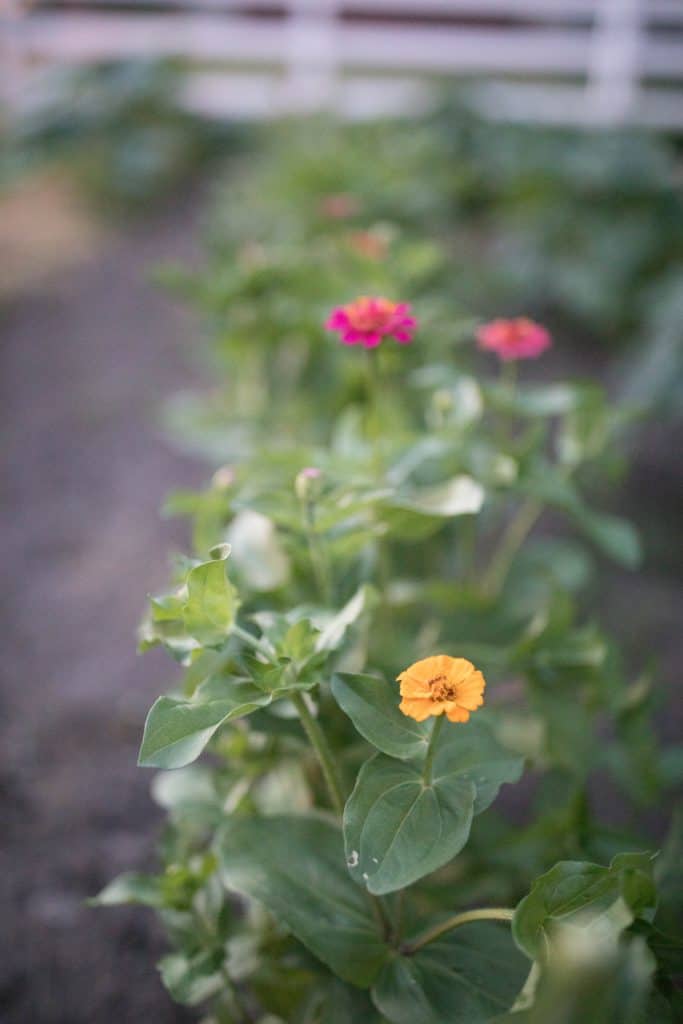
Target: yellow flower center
(441, 688)
(370, 314)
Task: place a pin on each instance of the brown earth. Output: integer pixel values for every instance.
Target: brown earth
(85, 364)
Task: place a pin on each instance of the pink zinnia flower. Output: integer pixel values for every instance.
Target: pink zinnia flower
(514, 339)
(367, 321)
(370, 245)
(339, 206)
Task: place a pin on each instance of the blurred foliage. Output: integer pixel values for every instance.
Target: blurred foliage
(120, 130)
(306, 592)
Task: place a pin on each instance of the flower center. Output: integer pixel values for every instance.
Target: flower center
(370, 314)
(442, 689)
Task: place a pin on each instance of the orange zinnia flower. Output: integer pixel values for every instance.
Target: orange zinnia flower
(441, 685)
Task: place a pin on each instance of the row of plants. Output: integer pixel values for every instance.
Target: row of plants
(582, 228)
(376, 637)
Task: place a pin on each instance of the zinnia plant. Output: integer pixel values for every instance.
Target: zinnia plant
(393, 697)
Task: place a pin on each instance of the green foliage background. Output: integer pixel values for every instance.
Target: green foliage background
(337, 887)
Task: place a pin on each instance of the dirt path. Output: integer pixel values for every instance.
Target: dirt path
(84, 365)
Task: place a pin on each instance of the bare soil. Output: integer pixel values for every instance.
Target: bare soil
(85, 364)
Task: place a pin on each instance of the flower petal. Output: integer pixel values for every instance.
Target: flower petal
(458, 669)
(419, 709)
(456, 714)
(412, 686)
(470, 692)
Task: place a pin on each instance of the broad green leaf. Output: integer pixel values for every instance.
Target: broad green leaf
(189, 793)
(542, 400)
(580, 892)
(295, 867)
(341, 1004)
(211, 604)
(457, 497)
(258, 555)
(131, 887)
(415, 514)
(472, 752)
(333, 633)
(177, 730)
(467, 977)
(614, 536)
(397, 829)
(372, 706)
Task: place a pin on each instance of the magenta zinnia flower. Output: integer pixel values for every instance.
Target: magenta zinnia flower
(367, 321)
(514, 339)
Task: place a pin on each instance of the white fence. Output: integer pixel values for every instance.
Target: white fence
(577, 61)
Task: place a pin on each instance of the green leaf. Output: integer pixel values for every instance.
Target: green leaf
(542, 400)
(592, 976)
(341, 1004)
(333, 633)
(130, 887)
(191, 980)
(397, 829)
(457, 497)
(415, 514)
(580, 892)
(614, 536)
(372, 706)
(472, 752)
(211, 604)
(258, 556)
(177, 730)
(295, 867)
(466, 977)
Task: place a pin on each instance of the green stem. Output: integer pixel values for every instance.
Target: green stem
(252, 641)
(512, 539)
(431, 750)
(321, 568)
(508, 375)
(486, 914)
(398, 915)
(466, 546)
(323, 752)
(374, 413)
(245, 1013)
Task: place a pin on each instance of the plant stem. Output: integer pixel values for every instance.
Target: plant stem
(245, 1013)
(398, 915)
(323, 752)
(486, 914)
(321, 568)
(508, 375)
(374, 416)
(512, 539)
(466, 546)
(252, 641)
(431, 750)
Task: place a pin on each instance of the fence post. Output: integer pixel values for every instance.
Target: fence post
(613, 85)
(311, 57)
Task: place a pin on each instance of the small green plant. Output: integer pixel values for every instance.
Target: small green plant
(374, 641)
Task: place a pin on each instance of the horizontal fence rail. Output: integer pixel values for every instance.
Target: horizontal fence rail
(577, 61)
